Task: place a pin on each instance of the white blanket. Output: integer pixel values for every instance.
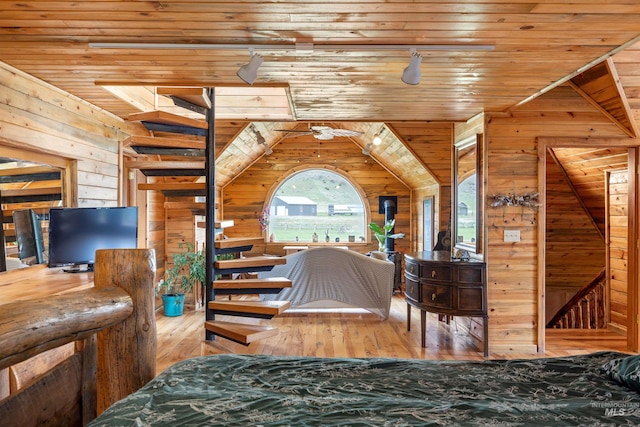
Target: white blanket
(328, 273)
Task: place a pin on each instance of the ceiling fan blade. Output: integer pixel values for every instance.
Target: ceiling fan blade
(346, 132)
(294, 133)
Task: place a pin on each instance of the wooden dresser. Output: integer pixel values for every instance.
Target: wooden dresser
(436, 283)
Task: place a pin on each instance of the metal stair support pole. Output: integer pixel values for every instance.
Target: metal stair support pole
(210, 172)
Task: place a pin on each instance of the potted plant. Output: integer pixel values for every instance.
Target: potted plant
(187, 272)
(383, 233)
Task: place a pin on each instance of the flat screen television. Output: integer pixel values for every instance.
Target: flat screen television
(75, 234)
(31, 249)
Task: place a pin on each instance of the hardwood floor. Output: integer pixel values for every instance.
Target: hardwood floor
(357, 333)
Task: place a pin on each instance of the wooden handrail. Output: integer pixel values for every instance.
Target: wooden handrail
(586, 310)
(31, 327)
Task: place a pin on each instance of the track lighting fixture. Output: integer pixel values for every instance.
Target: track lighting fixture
(249, 72)
(367, 149)
(411, 74)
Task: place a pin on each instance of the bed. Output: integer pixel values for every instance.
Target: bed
(240, 390)
(110, 383)
(331, 277)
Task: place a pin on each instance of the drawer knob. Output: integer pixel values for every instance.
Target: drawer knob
(433, 297)
(433, 274)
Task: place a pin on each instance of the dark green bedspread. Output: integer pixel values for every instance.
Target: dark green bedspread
(236, 390)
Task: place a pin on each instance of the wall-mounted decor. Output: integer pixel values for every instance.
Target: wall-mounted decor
(529, 201)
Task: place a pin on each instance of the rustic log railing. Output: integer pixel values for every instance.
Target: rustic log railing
(587, 308)
(113, 327)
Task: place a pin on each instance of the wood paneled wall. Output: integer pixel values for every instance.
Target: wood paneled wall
(244, 198)
(432, 144)
(512, 166)
(575, 250)
(38, 117)
(617, 229)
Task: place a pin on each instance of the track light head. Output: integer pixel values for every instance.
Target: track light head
(267, 150)
(411, 74)
(367, 149)
(249, 72)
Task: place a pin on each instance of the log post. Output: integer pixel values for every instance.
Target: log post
(127, 351)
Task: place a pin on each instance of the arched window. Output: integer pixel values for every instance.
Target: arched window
(316, 205)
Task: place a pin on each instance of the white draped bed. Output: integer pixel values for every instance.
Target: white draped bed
(324, 276)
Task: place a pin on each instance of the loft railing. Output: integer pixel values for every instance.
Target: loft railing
(587, 308)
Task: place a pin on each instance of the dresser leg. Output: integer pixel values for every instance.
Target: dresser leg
(423, 326)
(485, 321)
(408, 317)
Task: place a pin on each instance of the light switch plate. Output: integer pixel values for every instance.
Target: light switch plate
(511, 235)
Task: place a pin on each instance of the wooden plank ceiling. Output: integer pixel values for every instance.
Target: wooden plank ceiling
(528, 47)
(535, 44)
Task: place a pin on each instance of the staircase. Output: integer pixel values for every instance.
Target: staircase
(586, 310)
(188, 157)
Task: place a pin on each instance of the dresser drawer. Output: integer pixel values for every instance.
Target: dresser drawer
(471, 299)
(411, 289)
(471, 274)
(436, 296)
(411, 267)
(440, 273)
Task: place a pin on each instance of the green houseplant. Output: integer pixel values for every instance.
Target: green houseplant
(188, 271)
(383, 233)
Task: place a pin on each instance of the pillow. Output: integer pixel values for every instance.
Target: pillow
(625, 371)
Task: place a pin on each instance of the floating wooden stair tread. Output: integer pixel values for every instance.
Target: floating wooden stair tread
(35, 194)
(193, 95)
(265, 309)
(266, 283)
(162, 117)
(234, 242)
(159, 142)
(29, 174)
(168, 168)
(166, 146)
(240, 332)
(177, 189)
(196, 208)
(224, 223)
(249, 262)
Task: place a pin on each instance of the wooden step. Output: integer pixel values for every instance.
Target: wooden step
(30, 174)
(258, 309)
(167, 168)
(196, 208)
(248, 264)
(25, 195)
(270, 285)
(166, 146)
(225, 223)
(236, 244)
(177, 189)
(193, 95)
(240, 332)
(162, 117)
(159, 142)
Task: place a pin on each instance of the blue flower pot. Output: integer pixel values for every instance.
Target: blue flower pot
(173, 304)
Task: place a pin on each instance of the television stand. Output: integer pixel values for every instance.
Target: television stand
(78, 269)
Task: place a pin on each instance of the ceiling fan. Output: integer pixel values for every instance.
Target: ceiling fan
(321, 132)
